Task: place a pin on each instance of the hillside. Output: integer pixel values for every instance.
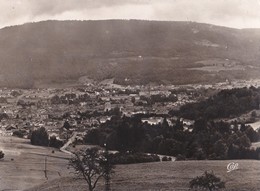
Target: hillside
(174, 176)
(141, 51)
(24, 164)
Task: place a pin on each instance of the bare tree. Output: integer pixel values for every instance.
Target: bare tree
(91, 165)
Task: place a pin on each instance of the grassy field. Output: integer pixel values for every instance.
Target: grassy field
(169, 176)
(26, 172)
(23, 165)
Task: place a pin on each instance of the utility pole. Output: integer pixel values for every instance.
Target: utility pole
(107, 169)
(45, 168)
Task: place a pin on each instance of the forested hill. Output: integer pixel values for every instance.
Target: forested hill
(141, 51)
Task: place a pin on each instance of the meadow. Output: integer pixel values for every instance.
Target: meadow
(168, 176)
(23, 168)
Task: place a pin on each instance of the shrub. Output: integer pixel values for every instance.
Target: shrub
(253, 114)
(19, 133)
(165, 158)
(180, 157)
(2, 154)
(40, 137)
(131, 158)
(56, 143)
(207, 181)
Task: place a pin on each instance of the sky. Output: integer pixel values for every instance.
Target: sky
(230, 13)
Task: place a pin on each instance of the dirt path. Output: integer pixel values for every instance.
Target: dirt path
(70, 141)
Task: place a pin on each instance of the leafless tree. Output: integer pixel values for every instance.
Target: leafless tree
(91, 165)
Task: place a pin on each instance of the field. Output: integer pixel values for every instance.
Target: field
(23, 165)
(26, 172)
(169, 176)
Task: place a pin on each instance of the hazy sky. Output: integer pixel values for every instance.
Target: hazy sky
(231, 13)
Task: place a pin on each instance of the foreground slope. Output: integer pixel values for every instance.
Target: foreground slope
(168, 176)
(24, 164)
(141, 51)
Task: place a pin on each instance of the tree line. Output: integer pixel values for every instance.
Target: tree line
(205, 139)
(226, 103)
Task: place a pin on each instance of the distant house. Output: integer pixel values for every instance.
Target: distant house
(188, 122)
(153, 120)
(104, 119)
(108, 106)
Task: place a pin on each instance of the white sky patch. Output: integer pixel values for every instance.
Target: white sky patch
(125, 12)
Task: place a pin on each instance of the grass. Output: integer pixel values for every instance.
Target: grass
(169, 176)
(26, 172)
(23, 165)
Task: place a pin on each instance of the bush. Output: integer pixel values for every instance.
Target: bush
(54, 142)
(180, 157)
(253, 114)
(40, 137)
(207, 181)
(131, 158)
(19, 133)
(2, 154)
(165, 158)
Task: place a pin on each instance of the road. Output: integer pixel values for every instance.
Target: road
(70, 141)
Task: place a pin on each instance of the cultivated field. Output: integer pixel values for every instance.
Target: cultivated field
(26, 172)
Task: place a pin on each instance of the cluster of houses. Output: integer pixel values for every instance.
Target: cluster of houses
(86, 107)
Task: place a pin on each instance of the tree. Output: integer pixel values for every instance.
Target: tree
(208, 181)
(133, 100)
(165, 124)
(179, 124)
(220, 149)
(66, 125)
(252, 134)
(40, 137)
(243, 127)
(91, 165)
(200, 125)
(54, 142)
(253, 114)
(2, 154)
